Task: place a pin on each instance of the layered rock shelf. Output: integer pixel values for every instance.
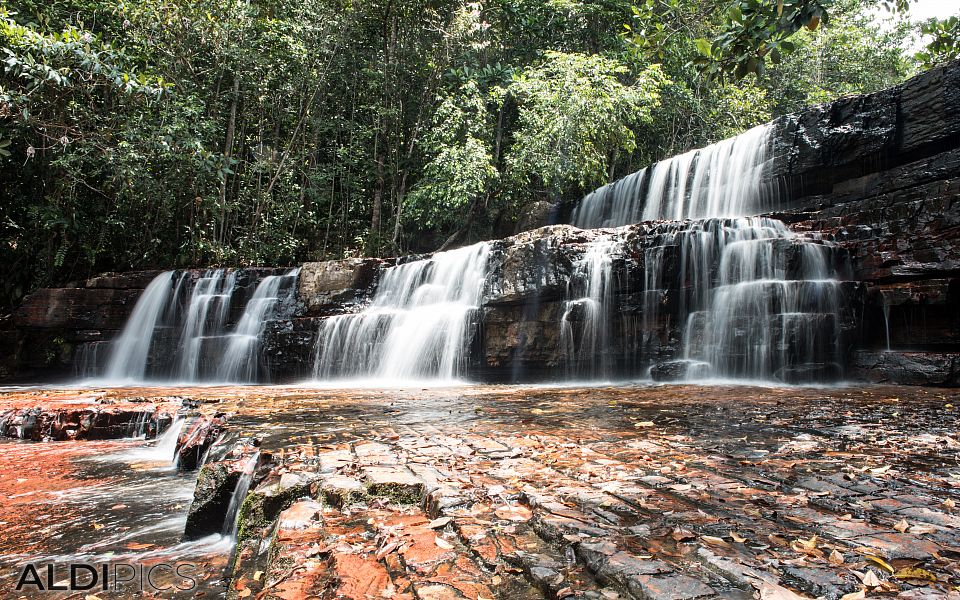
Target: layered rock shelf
(513, 493)
(874, 176)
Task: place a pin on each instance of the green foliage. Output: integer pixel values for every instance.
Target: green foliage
(163, 133)
(575, 115)
(944, 44)
(461, 169)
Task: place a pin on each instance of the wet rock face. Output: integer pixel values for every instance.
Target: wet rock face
(196, 439)
(220, 478)
(328, 287)
(81, 423)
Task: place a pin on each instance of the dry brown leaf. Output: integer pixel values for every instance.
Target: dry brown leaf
(438, 523)
(715, 541)
(442, 543)
(949, 503)
(244, 593)
(257, 575)
(855, 595)
(772, 591)
(902, 526)
(836, 557)
(870, 579)
(644, 424)
(737, 538)
(138, 546)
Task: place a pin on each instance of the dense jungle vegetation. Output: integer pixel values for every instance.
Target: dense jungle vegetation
(149, 133)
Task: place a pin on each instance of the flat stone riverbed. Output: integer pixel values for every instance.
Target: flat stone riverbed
(638, 491)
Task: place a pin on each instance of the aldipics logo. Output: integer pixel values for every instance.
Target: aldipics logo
(113, 577)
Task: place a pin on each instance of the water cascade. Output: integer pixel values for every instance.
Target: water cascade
(752, 299)
(239, 494)
(128, 355)
(721, 180)
(418, 325)
(241, 359)
(180, 329)
(585, 324)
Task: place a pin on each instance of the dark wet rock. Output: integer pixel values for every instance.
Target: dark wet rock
(908, 368)
(818, 582)
(217, 482)
(809, 373)
(679, 370)
(196, 438)
(538, 213)
(82, 423)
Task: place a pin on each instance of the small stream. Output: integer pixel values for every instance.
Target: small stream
(119, 504)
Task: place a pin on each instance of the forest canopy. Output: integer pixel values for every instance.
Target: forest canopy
(174, 133)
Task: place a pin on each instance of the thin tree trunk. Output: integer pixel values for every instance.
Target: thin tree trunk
(228, 153)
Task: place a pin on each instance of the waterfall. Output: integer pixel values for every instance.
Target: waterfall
(772, 307)
(128, 355)
(241, 359)
(721, 180)
(207, 313)
(417, 326)
(180, 329)
(750, 298)
(584, 326)
(238, 496)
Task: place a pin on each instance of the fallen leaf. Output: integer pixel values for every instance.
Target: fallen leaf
(949, 503)
(138, 546)
(855, 595)
(244, 593)
(715, 541)
(644, 424)
(257, 575)
(737, 538)
(438, 523)
(836, 557)
(902, 526)
(772, 591)
(443, 543)
(870, 579)
(879, 562)
(915, 573)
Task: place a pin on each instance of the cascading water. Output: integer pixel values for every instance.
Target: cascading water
(180, 330)
(238, 496)
(241, 360)
(418, 325)
(584, 326)
(721, 180)
(755, 299)
(128, 356)
(207, 313)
